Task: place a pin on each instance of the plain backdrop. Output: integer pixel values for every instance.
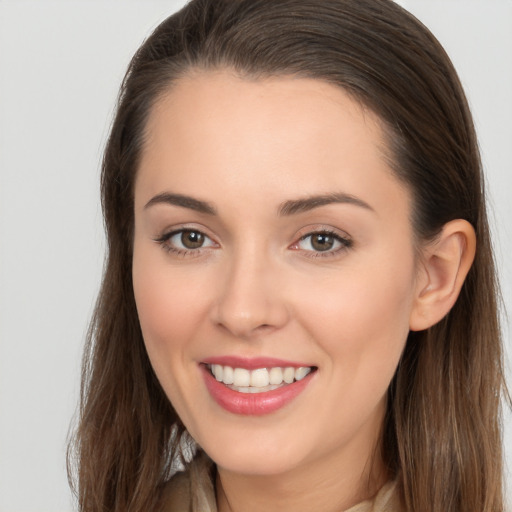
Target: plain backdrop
(61, 63)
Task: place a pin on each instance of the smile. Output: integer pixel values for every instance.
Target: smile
(261, 389)
(259, 380)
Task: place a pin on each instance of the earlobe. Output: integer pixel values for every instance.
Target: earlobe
(444, 267)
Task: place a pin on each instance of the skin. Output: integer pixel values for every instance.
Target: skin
(257, 287)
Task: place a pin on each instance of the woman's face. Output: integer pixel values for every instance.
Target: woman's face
(270, 233)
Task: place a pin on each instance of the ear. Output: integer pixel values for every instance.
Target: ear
(444, 265)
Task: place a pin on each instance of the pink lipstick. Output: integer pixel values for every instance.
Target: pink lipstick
(254, 386)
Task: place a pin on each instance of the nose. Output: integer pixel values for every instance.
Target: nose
(251, 299)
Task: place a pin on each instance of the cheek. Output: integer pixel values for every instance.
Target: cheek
(360, 321)
(361, 314)
(169, 303)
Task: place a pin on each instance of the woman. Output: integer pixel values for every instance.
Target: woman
(299, 273)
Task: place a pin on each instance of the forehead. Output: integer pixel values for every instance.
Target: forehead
(270, 137)
(295, 106)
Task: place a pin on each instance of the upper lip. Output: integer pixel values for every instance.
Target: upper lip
(253, 363)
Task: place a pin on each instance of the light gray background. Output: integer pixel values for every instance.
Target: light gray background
(60, 66)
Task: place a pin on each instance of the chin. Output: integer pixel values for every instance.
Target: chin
(254, 455)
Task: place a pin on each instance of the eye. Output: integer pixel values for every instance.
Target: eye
(185, 241)
(326, 242)
(188, 239)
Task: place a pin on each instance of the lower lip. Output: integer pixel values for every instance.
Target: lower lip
(253, 404)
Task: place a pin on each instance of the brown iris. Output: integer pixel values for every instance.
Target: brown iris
(322, 241)
(192, 239)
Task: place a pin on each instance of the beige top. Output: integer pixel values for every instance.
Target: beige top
(180, 499)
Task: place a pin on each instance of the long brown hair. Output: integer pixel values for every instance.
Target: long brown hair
(441, 438)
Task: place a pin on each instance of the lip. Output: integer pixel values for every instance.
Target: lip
(253, 404)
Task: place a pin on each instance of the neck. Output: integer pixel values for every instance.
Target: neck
(332, 484)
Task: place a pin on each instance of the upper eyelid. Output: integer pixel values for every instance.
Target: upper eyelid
(168, 232)
(336, 234)
(322, 228)
(175, 232)
(345, 241)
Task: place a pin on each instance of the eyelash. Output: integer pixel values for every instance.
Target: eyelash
(165, 242)
(344, 243)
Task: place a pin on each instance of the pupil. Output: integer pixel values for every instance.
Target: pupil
(192, 239)
(322, 242)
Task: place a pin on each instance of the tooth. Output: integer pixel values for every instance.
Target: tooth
(227, 376)
(241, 377)
(244, 389)
(301, 372)
(275, 376)
(259, 378)
(217, 371)
(289, 375)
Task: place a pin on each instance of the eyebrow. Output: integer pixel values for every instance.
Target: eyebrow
(291, 207)
(183, 201)
(296, 206)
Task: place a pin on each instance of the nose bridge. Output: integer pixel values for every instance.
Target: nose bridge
(250, 299)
